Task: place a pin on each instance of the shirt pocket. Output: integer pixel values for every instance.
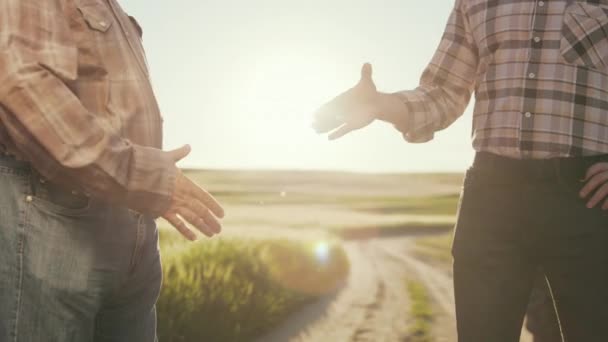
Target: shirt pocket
(584, 39)
(97, 17)
(98, 47)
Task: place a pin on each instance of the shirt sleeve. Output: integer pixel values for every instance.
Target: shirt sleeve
(446, 84)
(50, 126)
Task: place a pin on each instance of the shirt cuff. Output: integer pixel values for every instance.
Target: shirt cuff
(151, 181)
(419, 123)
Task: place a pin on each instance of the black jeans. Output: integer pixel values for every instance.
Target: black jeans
(514, 217)
(542, 320)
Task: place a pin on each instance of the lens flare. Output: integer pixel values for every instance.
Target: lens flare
(322, 252)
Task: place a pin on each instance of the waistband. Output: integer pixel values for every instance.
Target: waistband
(15, 165)
(553, 168)
(10, 161)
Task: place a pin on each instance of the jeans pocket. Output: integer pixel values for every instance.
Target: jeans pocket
(57, 199)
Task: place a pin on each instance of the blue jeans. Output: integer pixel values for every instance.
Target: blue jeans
(73, 268)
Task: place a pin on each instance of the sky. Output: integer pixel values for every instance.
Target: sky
(239, 80)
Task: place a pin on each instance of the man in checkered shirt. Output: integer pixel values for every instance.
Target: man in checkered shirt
(536, 195)
(83, 176)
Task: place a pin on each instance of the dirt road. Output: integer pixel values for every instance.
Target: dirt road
(373, 305)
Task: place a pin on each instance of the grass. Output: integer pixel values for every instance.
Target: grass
(428, 205)
(379, 204)
(238, 289)
(421, 312)
(389, 193)
(235, 290)
(435, 249)
(388, 230)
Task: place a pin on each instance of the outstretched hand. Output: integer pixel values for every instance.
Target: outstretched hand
(597, 184)
(192, 204)
(352, 110)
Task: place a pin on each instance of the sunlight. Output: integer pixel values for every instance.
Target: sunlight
(322, 252)
(277, 94)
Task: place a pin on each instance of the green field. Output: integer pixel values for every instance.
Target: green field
(281, 245)
(420, 329)
(436, 249)
(234, 290)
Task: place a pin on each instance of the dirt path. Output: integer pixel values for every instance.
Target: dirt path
(373, 305)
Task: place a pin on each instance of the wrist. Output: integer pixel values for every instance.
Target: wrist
(390, 108)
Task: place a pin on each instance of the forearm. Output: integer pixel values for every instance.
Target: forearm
(52, 129)
(102, 164)
(391, 108)
(445, 87)
(49, 125)
(410, 112)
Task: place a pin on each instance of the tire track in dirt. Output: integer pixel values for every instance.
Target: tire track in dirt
(438, 282)
(373, 305)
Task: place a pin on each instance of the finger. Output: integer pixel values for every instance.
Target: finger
(322, 126)
(600, 195)
(592, 184)
(329, 116)
(342, 131)
(213, 223)
(595, 169)
(195, 220)
(366, 73)
(336, 106)
(181, 227)
(180, 153)
(210, 220)
(206, 199)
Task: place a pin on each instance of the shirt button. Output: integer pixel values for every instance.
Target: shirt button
(537, 39)
(103, 23)
(528, 115)
(29, 199)
(532, 75)
(541, 3)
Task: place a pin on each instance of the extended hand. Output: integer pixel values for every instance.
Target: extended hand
(597, 181)
(351, 110)
(192, 204)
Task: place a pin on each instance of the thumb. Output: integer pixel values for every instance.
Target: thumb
(366, 73)
(180, 153)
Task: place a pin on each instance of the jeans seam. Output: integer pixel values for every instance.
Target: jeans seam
(20, 244)
(20, 252)
(139, 242)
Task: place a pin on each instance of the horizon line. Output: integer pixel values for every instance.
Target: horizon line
(313, 170)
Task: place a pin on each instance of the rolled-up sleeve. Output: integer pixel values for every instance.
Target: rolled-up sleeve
(50, 126)
(446, 84)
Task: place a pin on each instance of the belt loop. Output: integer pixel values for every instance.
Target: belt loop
(558, 165)
(33, 184)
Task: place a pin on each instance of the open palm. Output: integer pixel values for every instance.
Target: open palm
(352, 110)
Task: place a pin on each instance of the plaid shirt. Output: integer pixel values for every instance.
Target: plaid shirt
(76, 100)
(539, 70)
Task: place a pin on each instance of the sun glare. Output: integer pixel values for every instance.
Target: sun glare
(275, 97)
(322, 252)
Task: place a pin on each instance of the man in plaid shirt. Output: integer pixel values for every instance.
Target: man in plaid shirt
(536, 195)
(83, 176)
